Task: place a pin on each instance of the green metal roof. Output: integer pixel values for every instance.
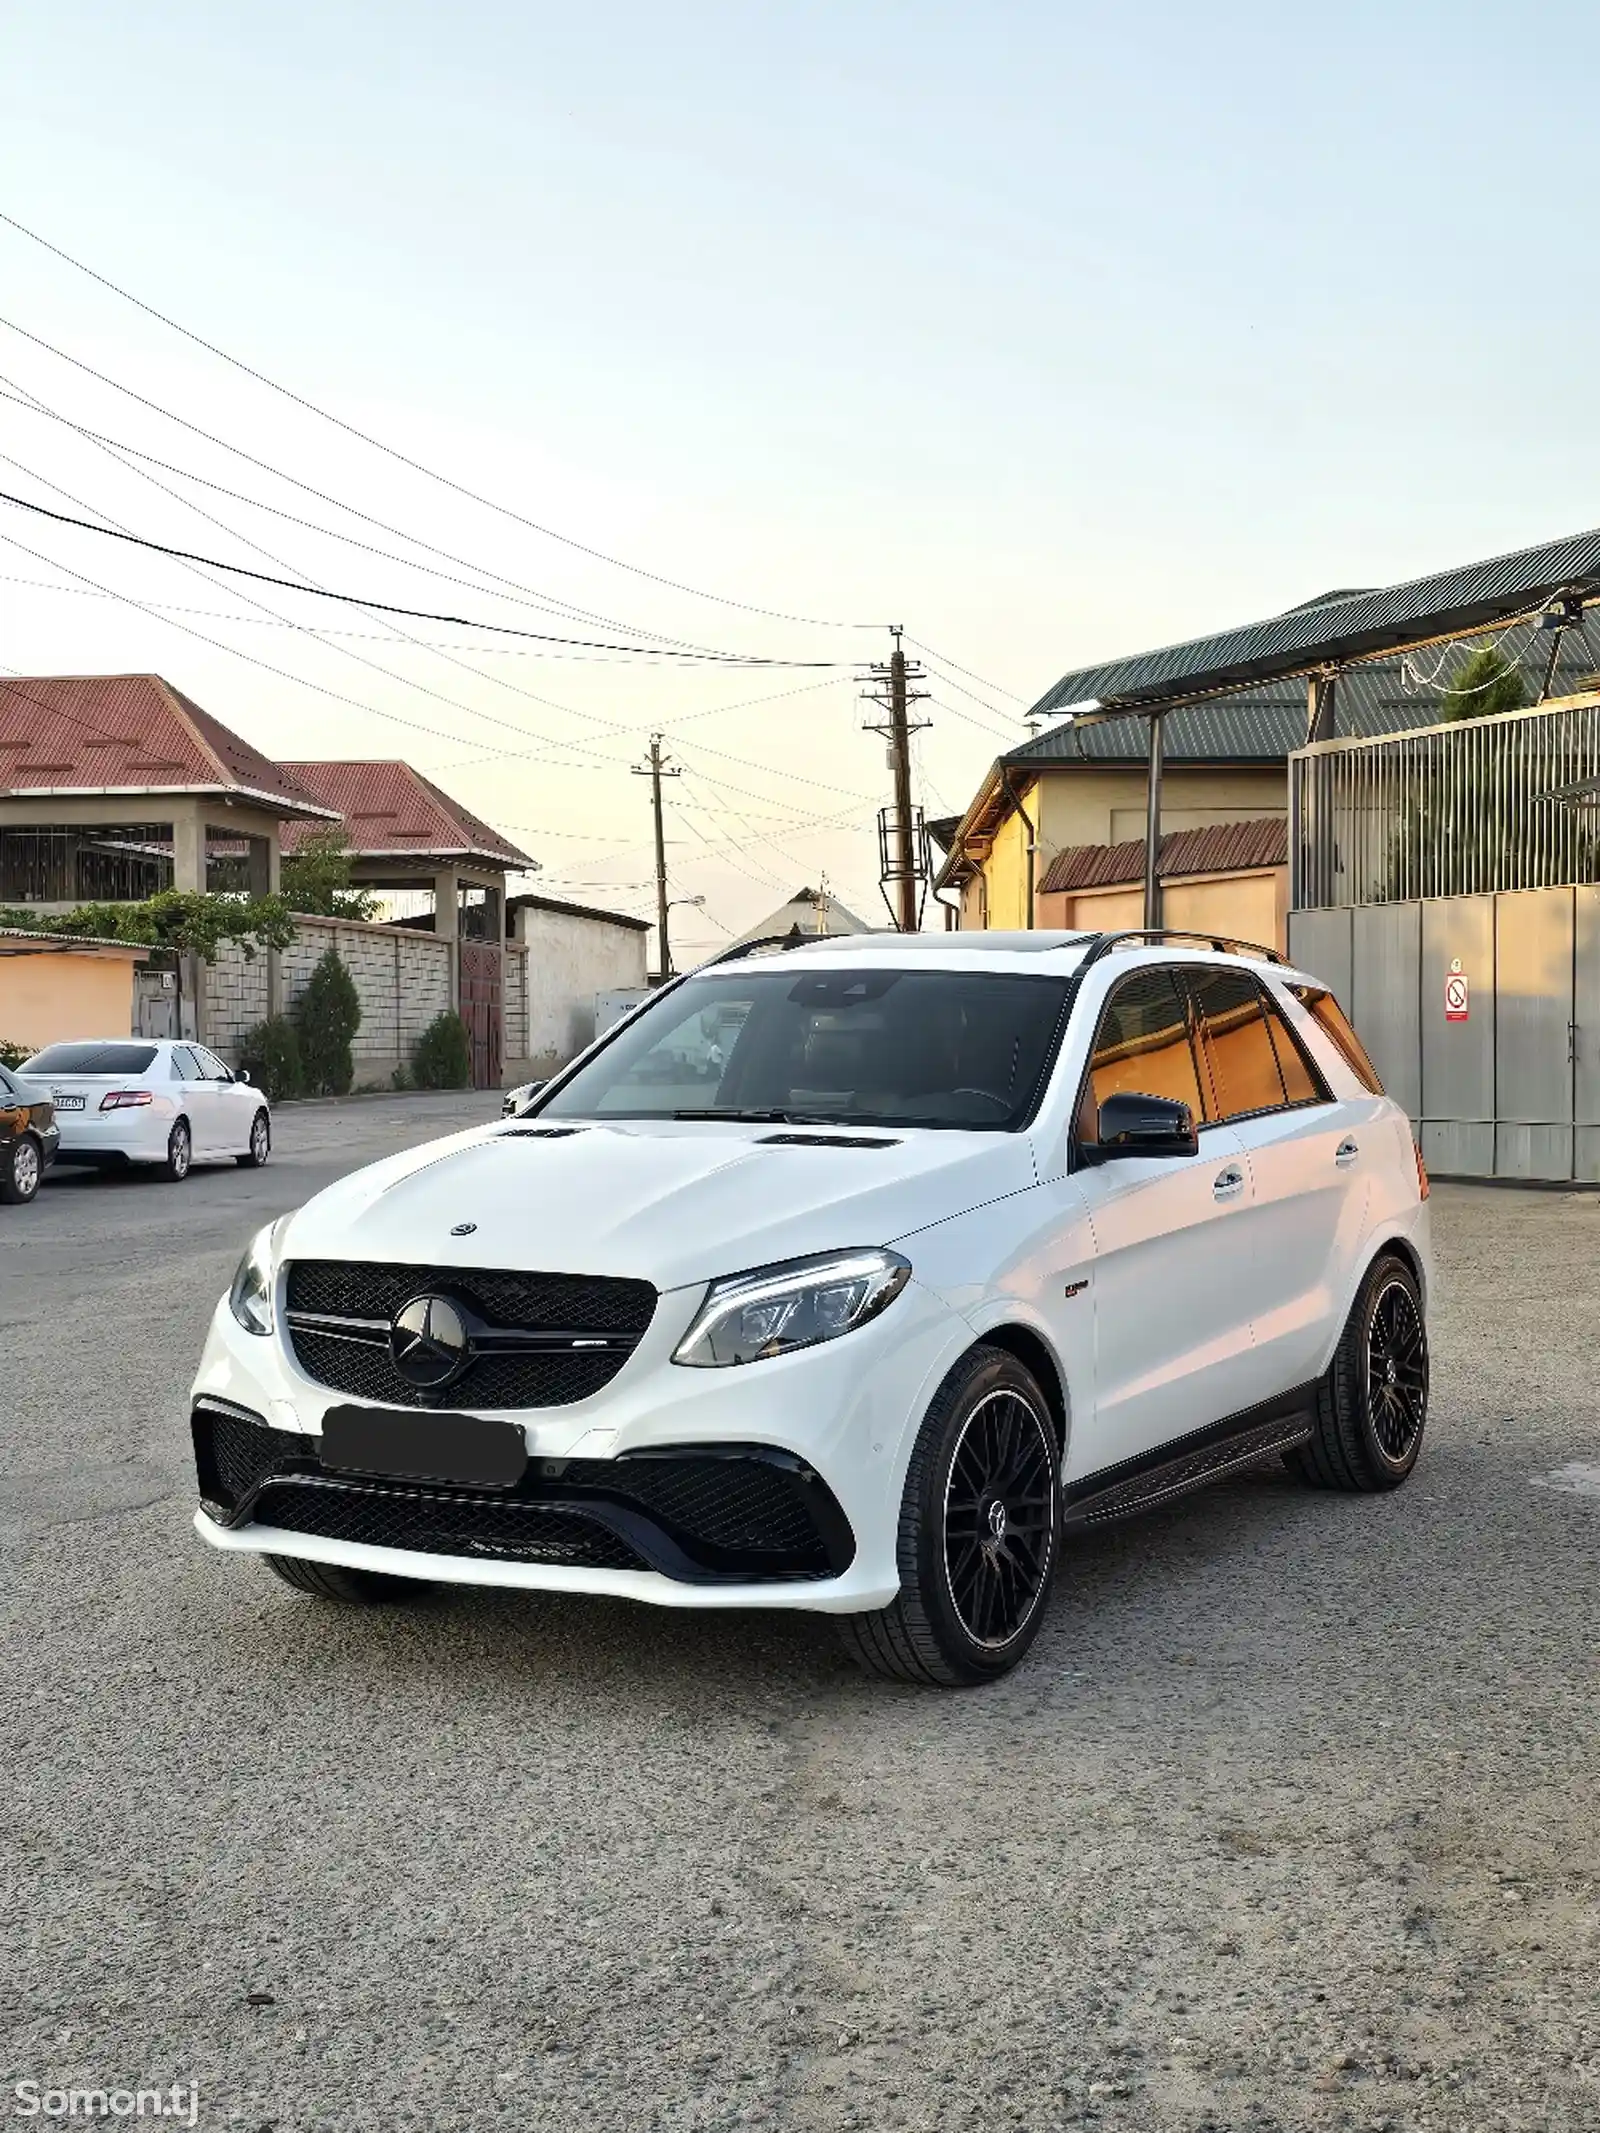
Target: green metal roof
(1337, 627)
(1262, 725)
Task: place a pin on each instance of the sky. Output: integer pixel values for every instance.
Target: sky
(1049, 332)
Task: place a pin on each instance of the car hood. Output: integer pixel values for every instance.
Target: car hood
(664, 1202)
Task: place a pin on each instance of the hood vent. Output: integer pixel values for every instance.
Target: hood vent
(821, 1140)
(539, 1133)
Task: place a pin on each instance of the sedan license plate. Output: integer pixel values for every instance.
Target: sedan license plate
(405, 1445)
(67, 1103)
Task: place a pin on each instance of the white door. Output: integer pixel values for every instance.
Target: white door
(1307, 1208)
(199, 1099)
(1171, 1297)
(235, 1103)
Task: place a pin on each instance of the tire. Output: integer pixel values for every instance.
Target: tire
(980, 1531)
(1372, 1406)
(21, 1169)
(260, 1143)
(180, 1153)
(349, 1588)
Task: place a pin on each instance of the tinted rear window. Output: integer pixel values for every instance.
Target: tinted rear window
(91, 1059)
(1331, 1016)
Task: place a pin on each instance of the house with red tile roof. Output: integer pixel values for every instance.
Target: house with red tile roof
(115, 785)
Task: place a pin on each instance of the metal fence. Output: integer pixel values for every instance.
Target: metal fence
(1481, 805)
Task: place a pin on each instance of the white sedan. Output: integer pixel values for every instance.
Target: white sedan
(123, 1100)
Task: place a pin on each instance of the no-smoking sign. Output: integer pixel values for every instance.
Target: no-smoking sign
(1456, 997)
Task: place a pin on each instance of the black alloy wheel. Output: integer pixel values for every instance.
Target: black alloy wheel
(999, 1519)
(1372, 1403)
(979, 1533)
(1397, 1371)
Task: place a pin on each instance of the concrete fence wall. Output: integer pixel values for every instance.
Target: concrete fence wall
(402, 980)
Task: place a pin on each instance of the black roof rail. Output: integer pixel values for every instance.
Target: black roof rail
(1223, 943)
(793, 939)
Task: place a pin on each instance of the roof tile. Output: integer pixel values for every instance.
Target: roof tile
(1220, 848)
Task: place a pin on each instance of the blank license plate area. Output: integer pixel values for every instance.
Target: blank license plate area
(424, 1447)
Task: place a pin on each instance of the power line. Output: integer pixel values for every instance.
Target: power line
(388, 607)
(939, 659)
(417, 466)
(30, 402)
(520, 594)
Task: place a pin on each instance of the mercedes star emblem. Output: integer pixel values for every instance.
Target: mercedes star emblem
(428, 1342)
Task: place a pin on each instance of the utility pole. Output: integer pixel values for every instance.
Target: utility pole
(655, 770)
(900, 833)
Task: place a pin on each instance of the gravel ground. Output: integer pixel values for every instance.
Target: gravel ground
(1288, 1822)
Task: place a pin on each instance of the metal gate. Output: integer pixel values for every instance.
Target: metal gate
(483, 1010)
(1482, 1014)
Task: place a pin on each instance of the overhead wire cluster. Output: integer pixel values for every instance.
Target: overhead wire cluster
(604, 638)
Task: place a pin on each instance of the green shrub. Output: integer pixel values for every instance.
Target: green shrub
(271, 1055)
(327, 1015)
(443, 1057)
(12, 1055)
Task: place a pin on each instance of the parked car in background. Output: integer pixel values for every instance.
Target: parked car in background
(28, 1138)
(853, 1278)
(160, 1104)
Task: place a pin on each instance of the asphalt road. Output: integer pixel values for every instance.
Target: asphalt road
(1288, 1822)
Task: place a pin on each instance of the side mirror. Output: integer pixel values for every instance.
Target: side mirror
(243, 1074)
(1134, 1125)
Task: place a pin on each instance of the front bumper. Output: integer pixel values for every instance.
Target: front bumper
(777, 1485)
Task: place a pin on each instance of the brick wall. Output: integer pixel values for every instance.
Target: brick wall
(515, 967)
(402, 980)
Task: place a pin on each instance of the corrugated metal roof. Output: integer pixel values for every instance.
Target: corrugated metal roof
(1263, 724)
(1220, 848)
(128, 732)
(1338, 628)
(391, 809)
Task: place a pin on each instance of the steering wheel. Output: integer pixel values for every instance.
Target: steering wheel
(987, 1096)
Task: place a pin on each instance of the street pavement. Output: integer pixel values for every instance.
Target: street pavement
(1288, 1821)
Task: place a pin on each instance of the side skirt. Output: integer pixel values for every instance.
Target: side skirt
(1187, 1463)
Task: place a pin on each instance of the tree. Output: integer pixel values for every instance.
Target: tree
(327, 1015)
(174, 922)
(1486, 682)
(443, 1057)
(316, 878)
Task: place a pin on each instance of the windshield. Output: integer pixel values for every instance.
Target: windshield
(943, 1048)
(90, 1059)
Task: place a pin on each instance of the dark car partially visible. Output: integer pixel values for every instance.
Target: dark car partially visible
(29, 1138)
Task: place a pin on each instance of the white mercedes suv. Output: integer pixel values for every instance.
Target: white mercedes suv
(850, 1275)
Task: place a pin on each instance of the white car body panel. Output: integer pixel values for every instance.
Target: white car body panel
(220, 1114)
(1156, 1305)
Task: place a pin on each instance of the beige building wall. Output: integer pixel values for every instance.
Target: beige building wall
(1073, 805)
(51, 998)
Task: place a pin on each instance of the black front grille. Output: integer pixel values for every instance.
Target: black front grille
(568, 1303)
(435, 1523)
(736, 1513)
(555, 1307)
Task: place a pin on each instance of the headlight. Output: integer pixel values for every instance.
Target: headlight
(751, 1316)
(250, 1298)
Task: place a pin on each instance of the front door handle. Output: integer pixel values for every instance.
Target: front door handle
(1347, 1150)
(1228, 1183)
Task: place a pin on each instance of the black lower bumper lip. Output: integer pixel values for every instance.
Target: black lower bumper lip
(699, 1514)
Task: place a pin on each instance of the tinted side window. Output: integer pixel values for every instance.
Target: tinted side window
(1237, 1046)
(185, 1066)
(1302, 1084)
(210, 1065)
(1143, 1045)
(1331, 1017)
